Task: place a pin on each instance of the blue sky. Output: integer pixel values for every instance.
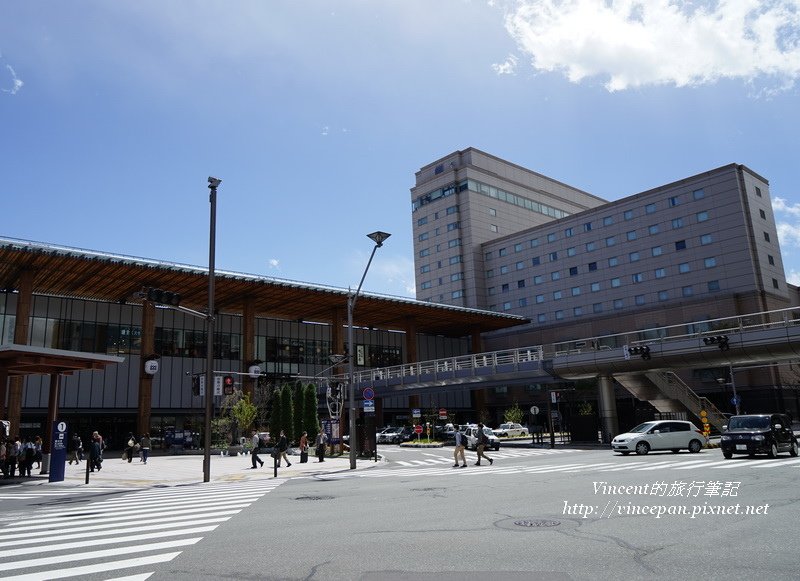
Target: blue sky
(316, 114)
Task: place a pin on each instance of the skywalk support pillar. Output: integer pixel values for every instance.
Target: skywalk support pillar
(607, 402)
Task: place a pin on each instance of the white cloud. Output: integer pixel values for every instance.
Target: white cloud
(16, 83)
(788, 230)
(509, 67)
(782, 205)
(793, 277)
(274, 264)
(635, 43)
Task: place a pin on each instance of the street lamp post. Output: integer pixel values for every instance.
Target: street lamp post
(378, 238)
(213, 183)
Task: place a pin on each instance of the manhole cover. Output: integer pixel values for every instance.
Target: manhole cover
(323, 497)
(536, 523)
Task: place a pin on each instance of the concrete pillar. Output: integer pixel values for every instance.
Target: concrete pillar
(609, 422)
(21, 329)
(411, 355)
(3, 392)
(145, 401)
(480, 396)
(52, 416)
(248, 352)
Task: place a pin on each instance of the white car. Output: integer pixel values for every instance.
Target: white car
(510, 430)
(674, 435)
(471, 434)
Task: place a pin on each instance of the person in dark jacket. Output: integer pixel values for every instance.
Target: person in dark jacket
(130, 445)
(283, 445)
(95, 453)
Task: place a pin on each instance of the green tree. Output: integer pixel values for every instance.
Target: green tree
(514, 414)
(244, 412)
(287, 411)
(220, 432)
(310, 415)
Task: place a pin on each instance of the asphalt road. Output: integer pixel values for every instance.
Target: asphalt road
(560, 514)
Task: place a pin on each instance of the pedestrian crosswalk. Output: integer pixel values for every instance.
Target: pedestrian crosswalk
(429, 459)
(51, 543)
(620, 465)
(28, 492)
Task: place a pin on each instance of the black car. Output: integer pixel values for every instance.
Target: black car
(768, 434)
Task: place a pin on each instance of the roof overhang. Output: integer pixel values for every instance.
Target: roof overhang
(20, 360)
(84, 274)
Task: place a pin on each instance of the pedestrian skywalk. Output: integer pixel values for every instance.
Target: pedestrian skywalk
(52, 543)
(620, 465)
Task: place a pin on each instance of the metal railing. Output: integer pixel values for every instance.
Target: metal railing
(448, 366)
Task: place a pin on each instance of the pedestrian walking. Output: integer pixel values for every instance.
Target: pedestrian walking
(304, 448)
(96, 453)
(12, 452)
(283, 445)
(131, 444)
(144, 446)
(3, 457)
(25, 458)
(461, 443)
(75, 449)
(254, 453)
(321, 441)
(37, 452)
(483, 441)
(100, 440)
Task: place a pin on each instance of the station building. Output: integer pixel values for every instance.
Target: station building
(72, 300)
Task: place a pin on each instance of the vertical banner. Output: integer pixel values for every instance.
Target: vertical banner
(58, 452)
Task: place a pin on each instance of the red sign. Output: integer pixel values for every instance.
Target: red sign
(442, 414)
(417, 429)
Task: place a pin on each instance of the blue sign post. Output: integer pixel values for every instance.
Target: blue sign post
(58, 452)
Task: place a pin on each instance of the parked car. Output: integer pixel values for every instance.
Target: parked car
(471, 434)
(390, 436)
(510, 430)
(674, 435)
(406, 434)
(753, 434)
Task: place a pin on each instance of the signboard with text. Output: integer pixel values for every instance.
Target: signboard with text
(58, 452)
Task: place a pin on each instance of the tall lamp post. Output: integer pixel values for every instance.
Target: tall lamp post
(378, 238)
(213, 183)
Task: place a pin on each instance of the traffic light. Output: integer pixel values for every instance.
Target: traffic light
(227, 384)
(157, 295)
(643, 350)
(195, 385)
(719, 340)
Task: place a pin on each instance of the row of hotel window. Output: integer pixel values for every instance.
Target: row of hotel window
(486, 190)
(676, 223)
(596, 308)
(683, 268)
(627, 215)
